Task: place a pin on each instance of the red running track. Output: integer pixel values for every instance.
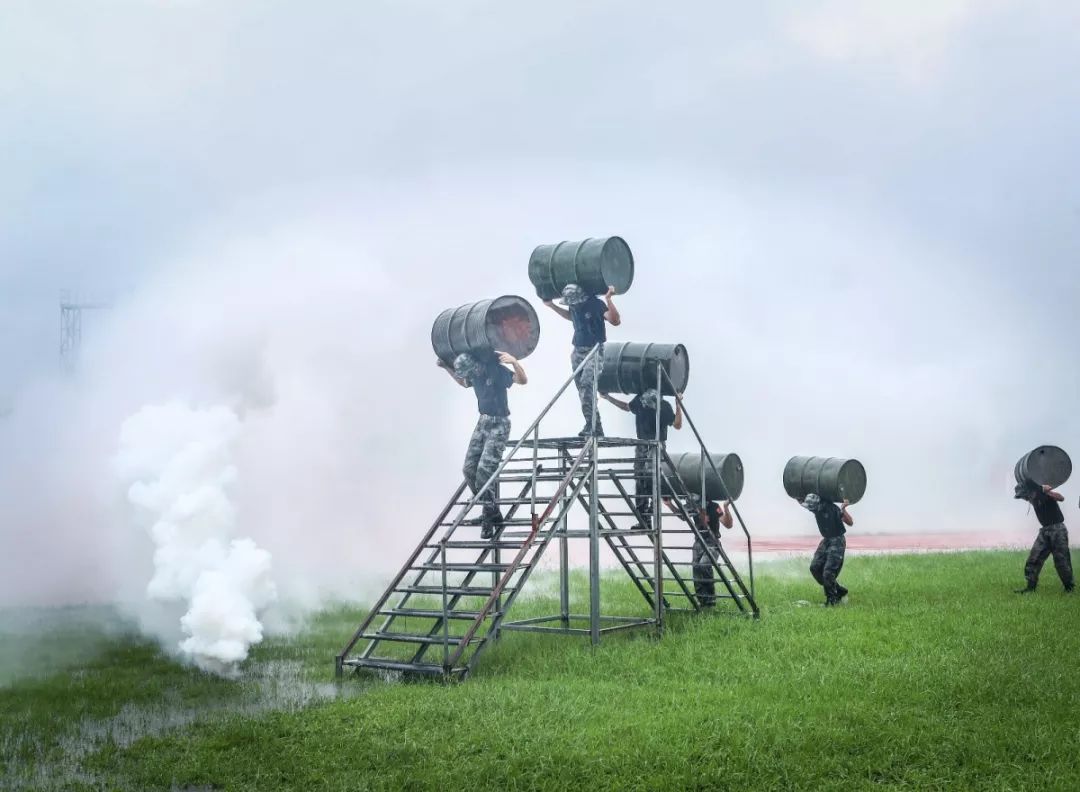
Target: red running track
(902, 542)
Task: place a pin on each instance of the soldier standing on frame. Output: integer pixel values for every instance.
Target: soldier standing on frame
(644, 407)
(588, 313)
(490, 381)
(829, 556)
(1053, 536)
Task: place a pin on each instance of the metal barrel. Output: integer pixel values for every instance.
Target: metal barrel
(593, 264)
(631, 367)
(1045, 465)
(503, 324)
(688, 466)
(829, 478)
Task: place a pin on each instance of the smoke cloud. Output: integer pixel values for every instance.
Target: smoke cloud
(179, 463)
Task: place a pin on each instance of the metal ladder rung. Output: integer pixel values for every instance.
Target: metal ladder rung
(430, 614)
(453, 591)
(392, 665)
(462, 567)
(479, 544)
(417, 638)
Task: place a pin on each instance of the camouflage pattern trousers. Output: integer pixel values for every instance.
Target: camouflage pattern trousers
(584, 381)
(704, 582)
(826, 566)
(483, 458)
(1052, 539)
(643, 476)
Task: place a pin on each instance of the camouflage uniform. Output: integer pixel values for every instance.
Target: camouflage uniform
(643, 477)
(1052, 539)
(826, 566)
(483, 458)
(704, 583)
(584, 381)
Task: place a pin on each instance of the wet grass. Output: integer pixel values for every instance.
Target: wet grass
(934, 676)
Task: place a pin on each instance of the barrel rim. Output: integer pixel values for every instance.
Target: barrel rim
(618, 240)
(529, 309)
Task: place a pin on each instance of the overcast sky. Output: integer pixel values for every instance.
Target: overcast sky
(862, 219)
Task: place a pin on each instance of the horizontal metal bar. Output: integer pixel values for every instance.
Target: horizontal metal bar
(463, 591)
(479, 544)
(393, 665)
(424, 613)
(413, 638)
(462, 567)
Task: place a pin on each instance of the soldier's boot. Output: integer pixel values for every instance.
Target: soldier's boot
(1029, 588)
(1070, 588)
(588, 432)
(491, 525)
(841, 592)
(646, 516)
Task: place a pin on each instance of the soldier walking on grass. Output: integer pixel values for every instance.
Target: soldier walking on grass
(829, 556)
(588, 313)
(1053, 538)
(490, 381)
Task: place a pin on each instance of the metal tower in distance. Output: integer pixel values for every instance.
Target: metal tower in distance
(71, 310)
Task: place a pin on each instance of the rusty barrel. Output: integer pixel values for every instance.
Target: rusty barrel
(1045, 465)
(631, 367)
(593, 264)
(503, 324)
(829, 478)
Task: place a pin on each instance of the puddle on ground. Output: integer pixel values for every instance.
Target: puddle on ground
(277, 686)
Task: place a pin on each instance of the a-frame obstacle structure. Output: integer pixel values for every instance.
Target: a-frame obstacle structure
(452, 596)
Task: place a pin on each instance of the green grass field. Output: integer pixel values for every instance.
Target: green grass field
(933, 676)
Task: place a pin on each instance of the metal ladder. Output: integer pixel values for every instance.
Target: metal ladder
(450, 598)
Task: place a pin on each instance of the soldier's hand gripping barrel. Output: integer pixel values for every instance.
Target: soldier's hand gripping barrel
(689, 469)
(631, 368)
(829, 478)
(1045, 465)
(503, 324)
(593, 264)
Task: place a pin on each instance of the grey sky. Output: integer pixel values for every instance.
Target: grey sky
(861, 218)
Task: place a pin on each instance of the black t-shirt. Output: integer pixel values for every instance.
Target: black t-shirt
(491, 387)
(712, 510)
(829, 521)
(1047, 510)
(588, 319)
(645, 418)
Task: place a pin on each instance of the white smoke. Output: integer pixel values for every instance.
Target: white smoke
(177, 465)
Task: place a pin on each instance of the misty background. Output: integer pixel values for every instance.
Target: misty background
(861, 220)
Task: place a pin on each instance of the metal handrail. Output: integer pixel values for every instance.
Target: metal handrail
(708, 457)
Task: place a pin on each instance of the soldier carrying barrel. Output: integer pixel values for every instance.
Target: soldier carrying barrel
(1053, 537)
(588, 314)
(1037, 473)
(644, 407)
(817, 484)
(490, 381)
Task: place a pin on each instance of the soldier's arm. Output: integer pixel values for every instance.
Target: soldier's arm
(1055, 495)
(677, 424)
(565, 314)
(612, 313)
(726, 519)
(847, 518)
(520, 377)
(624, 406)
